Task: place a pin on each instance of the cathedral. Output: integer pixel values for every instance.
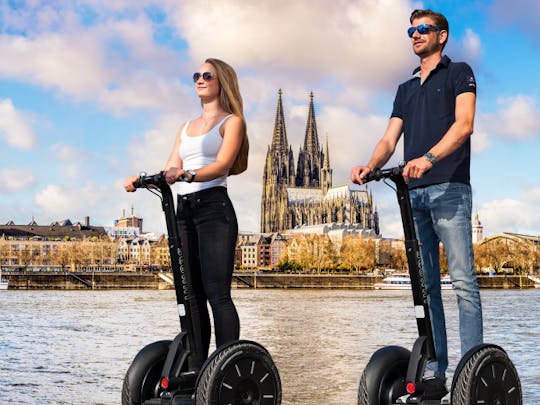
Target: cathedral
(292, 199)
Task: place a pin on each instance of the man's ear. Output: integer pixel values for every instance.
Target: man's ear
(443, 36)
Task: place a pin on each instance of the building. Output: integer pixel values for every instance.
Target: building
(56, 231)
(477, 230)
(62, 245)
(58, 245)
(129, 221)
(255, 250)
(305, 196)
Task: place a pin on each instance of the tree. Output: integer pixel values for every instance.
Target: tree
(358, 253)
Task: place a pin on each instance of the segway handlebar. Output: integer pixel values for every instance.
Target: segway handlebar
(379, 174)
(153, 180)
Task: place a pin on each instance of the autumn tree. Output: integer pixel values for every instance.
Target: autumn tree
(358, 253)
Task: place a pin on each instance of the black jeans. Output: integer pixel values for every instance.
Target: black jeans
(208, 230)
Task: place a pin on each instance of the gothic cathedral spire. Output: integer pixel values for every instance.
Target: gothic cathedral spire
(308, 170)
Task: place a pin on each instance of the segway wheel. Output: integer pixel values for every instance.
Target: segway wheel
(142, 380)
(241, 373)
(383, 379)
(487, 376)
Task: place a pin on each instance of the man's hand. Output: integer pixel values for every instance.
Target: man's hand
(416, 168)
(359, 173)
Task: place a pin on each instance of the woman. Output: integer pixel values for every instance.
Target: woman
(206, 151)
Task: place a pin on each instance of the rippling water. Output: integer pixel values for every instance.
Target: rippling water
(73, 347)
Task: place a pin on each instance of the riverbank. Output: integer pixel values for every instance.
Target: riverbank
(103, 281)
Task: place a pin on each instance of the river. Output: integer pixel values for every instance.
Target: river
(73, 347)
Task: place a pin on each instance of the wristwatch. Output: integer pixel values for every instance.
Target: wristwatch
(430, 157)
(191, 176)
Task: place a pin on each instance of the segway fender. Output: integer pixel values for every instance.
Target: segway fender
(467, 356)
(142, 378)
(384, 376)
(491, 365)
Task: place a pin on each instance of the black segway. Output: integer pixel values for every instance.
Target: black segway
(175, 372)
(393, 375)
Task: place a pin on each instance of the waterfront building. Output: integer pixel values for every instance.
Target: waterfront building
(63, 245)
(129, 222)
(306, 196)
(256, 250)
(56, 246)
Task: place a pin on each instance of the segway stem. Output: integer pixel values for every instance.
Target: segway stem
(185, 298)
(412, 249)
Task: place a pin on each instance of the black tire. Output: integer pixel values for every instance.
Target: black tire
(383, 379)
(241, 373)
(142, 380)
(487, 376)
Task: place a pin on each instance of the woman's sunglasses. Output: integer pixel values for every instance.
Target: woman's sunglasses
(423, 29)
(205, 75)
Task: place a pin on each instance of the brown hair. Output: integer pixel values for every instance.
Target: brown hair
(438, 19)
(230, 100)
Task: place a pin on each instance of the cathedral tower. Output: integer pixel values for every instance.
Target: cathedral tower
(307, 197)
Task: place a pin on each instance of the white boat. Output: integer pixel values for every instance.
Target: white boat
(536, 281)
(3, 282)
(402, 281)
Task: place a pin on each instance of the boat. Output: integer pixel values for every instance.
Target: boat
(402, 281)
(3, 282)
(535, 279)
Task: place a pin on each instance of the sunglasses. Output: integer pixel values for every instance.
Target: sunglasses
(205, 75)
(423, 29)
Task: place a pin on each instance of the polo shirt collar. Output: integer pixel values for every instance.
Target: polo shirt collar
(444, 62)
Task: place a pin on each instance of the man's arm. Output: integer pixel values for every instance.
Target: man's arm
(456, 135)
(383, 151)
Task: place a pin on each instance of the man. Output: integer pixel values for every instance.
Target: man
(435, 112)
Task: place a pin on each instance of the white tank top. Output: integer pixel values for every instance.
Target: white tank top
(197, 152)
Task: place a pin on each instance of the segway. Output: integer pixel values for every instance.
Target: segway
(393, 375)
(176, 372)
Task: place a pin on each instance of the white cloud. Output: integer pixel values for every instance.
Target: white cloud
(518, 118)
(316, 39)
(59, 201)
(471, 46)
(64, 152)
(114, 62)
(14, 179)
(73, 64)
(512, 215)
(480, 142)
(15, 129)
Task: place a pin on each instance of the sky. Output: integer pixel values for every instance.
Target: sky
(92, 91)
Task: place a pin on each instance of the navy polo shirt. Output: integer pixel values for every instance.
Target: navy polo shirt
(428, 111)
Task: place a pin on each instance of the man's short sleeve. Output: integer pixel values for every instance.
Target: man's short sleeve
(397, 110)
(463, 79)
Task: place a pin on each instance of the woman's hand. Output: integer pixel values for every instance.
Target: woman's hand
(172, 174)
(129, 183)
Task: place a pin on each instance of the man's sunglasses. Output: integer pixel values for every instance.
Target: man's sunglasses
(423, 29)
(205, 75)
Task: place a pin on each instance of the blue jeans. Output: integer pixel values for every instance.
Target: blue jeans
(442, 213)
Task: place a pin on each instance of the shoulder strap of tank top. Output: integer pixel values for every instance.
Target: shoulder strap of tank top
(184, 130)
(218, 126)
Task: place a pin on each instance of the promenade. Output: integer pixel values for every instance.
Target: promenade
(133, 280)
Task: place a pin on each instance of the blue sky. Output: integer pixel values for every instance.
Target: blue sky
(92, 91)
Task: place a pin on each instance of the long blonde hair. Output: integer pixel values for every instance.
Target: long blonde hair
(230, 100)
